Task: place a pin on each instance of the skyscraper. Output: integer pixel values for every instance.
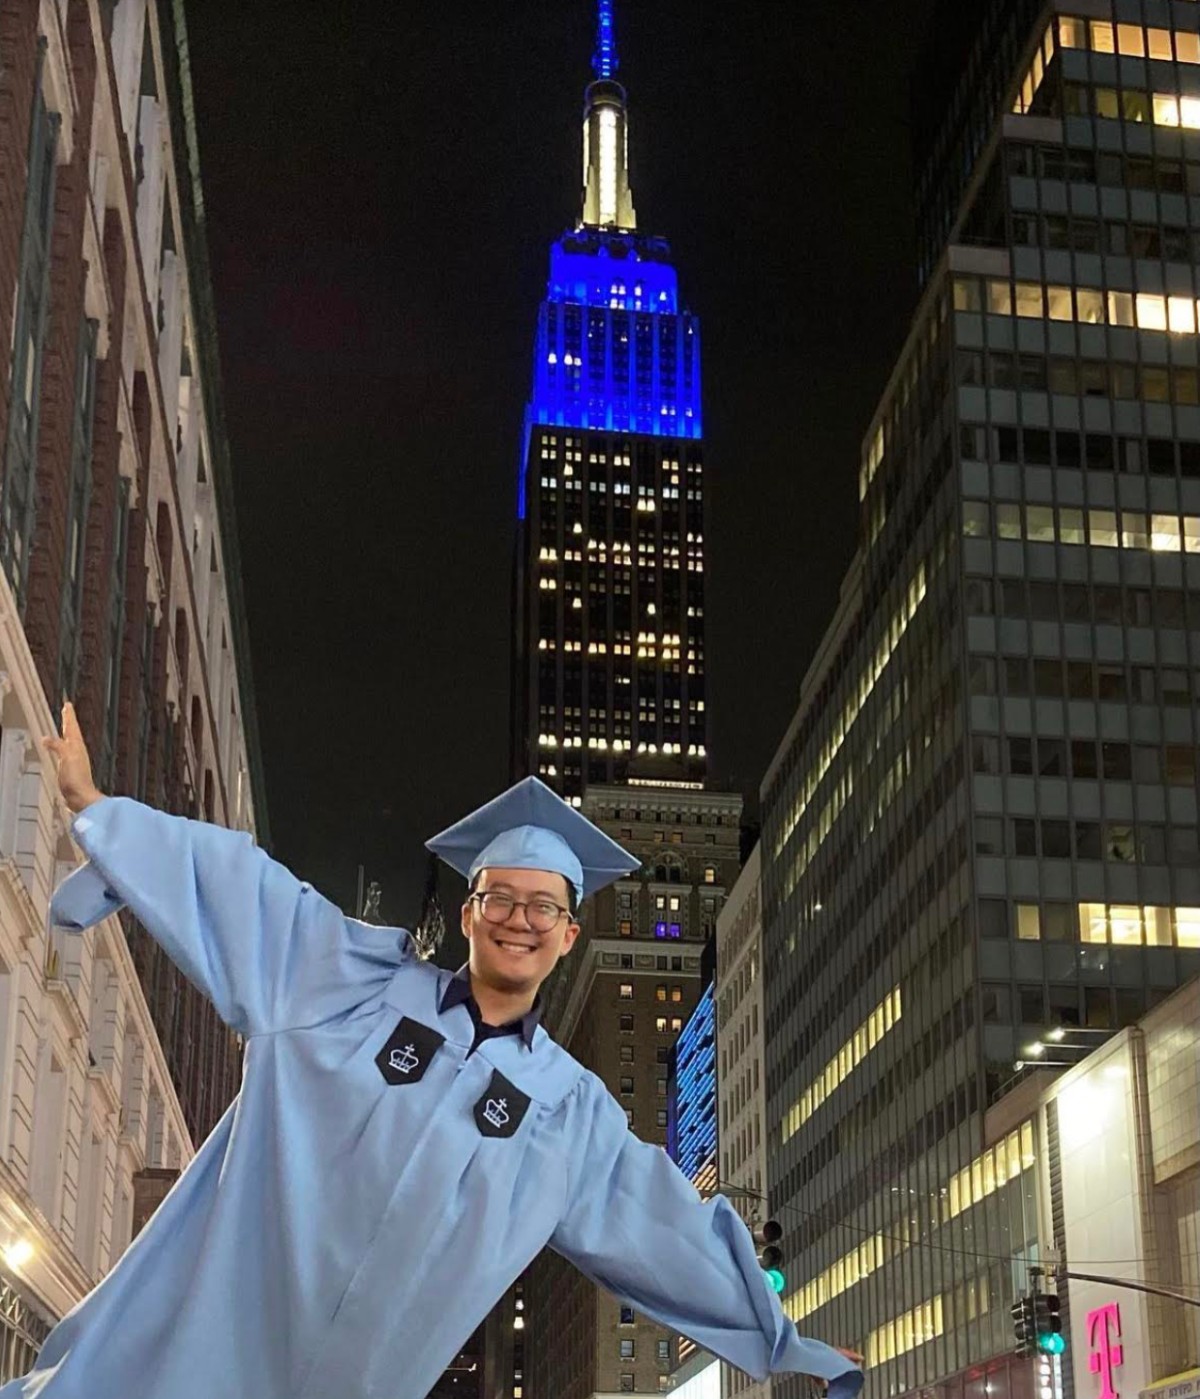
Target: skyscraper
(982, 822)
(608, 691)
(608, 673)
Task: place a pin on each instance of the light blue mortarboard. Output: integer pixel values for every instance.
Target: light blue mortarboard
(529, 827)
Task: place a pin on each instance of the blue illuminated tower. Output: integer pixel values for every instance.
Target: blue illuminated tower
(609, 642)
(692, 1102)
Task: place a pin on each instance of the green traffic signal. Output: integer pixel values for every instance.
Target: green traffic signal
(1048, 1323)
(770, 1255)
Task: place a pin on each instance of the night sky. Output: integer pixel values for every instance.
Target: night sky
(382, 182)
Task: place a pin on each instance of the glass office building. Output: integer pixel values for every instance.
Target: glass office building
(982, 821)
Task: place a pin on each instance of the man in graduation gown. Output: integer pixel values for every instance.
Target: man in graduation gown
(405, 1140)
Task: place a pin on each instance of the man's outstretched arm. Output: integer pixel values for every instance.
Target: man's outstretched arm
(267, 950)
(635, 1225)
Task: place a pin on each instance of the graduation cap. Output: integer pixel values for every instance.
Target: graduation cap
(529, 827)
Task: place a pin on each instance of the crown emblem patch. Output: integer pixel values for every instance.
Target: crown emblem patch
(408, 1051)
(500, 1111)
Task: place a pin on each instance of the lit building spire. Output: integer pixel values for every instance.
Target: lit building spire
(607, 201)
(604, 60)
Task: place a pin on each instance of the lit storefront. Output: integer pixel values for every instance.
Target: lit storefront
(1121, 1187)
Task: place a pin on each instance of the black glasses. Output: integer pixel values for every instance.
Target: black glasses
(541, 914)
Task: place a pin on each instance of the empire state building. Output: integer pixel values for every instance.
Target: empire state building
(608, 674)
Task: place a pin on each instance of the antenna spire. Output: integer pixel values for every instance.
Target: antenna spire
(607, 201)
(604, 60)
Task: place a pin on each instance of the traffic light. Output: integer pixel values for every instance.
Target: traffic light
(1023, 1326)
(770, 1255)
(1047, 1323)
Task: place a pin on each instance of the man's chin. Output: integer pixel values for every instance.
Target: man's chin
(512, 979)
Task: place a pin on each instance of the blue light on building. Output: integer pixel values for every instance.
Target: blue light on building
(614, 352)
(692, 1097)
(604, 60)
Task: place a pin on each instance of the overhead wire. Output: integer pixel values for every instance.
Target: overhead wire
(944, 1248)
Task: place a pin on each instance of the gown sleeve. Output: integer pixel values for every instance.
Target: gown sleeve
(635, 1224)
(266, 948)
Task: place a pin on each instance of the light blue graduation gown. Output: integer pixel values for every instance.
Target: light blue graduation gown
(375, 1188)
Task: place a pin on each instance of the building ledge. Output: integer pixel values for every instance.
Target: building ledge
(103, 1082)
(62, 991)
(1031, 128)
(984, 262)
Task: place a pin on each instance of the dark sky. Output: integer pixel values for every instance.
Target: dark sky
(382, 182)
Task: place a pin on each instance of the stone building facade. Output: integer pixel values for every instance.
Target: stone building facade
(120, 589)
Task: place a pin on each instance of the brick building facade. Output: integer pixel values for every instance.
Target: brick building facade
(120, 589)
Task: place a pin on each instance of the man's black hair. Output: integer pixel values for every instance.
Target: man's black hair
(572, 899)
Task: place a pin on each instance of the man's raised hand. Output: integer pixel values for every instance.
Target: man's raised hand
(74, 765)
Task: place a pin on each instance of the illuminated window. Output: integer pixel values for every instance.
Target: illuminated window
(660, 1024)
(1187, 927)
(1187, 47)
(914, 1328)
(1059, 305)
(626, 991)
(1131, 925)
(1120, 308)
(1158, 44)
(1165, 533)
(1093, 923)
(1181, 315)
(1151, 311)
(1166, 109)
(1102, 37)
(1000, 298)
(1072, 33)
(1135, 532)
(1008, 521)
(1125, 924)
(1070, 526)
(966, 294)
(1089, 305)
(844, 1062)
(1039, 523)
(1158, 926)
(1102, 528)
(1131, 40)
(1029, 922)
(1028, 299)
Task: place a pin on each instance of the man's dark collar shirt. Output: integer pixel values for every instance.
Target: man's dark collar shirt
(458, 993)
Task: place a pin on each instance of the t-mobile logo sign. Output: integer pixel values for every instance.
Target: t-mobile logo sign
(1104, 1330)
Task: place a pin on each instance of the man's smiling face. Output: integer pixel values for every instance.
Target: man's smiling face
(515, 956)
